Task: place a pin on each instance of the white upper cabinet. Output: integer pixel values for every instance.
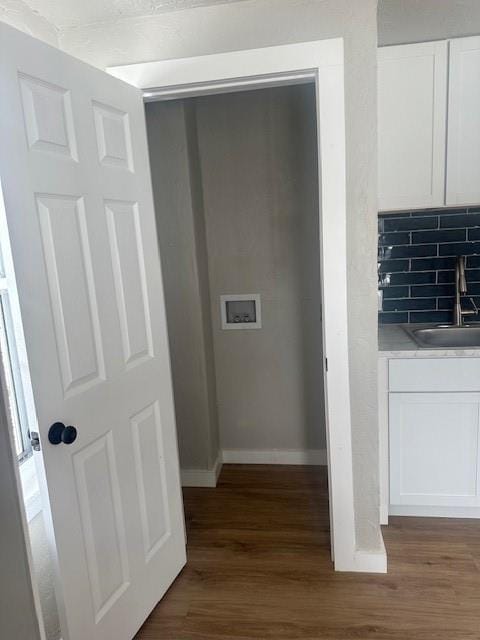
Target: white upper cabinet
(412, 103)
(463, 156)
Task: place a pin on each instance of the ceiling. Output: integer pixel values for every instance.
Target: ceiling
(73, 13)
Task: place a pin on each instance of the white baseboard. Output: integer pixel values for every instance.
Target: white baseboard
(218, 467)
(383, 514)
(201, 477)
(370, 561)
(275, 456)
(427, 511)
(209, 477)
(363, 561)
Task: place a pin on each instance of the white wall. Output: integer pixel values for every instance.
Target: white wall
(402, 21)
(260, 23)
(19, 15)
(259, 172)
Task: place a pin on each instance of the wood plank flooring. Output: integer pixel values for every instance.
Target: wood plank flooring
(259, 567)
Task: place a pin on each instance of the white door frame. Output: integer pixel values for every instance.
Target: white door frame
(323, 63)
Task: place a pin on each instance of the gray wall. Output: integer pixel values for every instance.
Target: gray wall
(259, 171)
(402, 21)
(262, 23)
(178, 205)
(235, 179)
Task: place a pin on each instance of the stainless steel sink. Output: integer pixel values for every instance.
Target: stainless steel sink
(446, 336)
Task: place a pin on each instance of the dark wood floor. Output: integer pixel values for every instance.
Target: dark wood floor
(259, 567)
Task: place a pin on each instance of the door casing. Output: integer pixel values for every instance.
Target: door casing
(323, 63)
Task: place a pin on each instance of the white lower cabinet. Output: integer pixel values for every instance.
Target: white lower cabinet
(434, 439)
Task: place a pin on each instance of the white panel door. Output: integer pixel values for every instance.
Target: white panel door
(463, 149)
(434, 449)
(412, 101)
(76, 181)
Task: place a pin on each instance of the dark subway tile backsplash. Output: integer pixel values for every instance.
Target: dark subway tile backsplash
(432, 264)
(459, 249)
(439, 235)
(416, 263)
(473, 262)
(396, 223)
(432, 291)
(385, 239)
(459, 221)
(410, 304)
(413, 277)
(430, 317)
(393, 265)
(474, 234)
(408, 251)
(395, 292)
(393, 318)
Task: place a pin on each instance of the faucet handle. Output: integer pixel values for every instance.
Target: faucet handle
(476, 310)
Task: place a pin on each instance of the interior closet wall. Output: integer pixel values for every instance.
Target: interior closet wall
(236, 192)
(259, 174)
(181, 235)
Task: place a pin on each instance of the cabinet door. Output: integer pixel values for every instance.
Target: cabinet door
(463, 155)
(412, 100)
(434, 450)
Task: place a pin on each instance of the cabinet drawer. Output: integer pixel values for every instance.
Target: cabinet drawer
(434, 374)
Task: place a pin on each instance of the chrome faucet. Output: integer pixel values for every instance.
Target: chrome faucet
(461, 290)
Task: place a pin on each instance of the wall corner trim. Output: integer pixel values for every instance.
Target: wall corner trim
(202, 477)
(369, 561)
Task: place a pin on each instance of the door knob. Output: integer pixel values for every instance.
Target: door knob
(58, 433)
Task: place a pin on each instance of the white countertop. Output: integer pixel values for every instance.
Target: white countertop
(394, 342)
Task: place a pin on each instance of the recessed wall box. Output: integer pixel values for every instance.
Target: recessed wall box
(241, 311)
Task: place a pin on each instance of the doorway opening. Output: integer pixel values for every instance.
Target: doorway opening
(235, 183)
(321, 63)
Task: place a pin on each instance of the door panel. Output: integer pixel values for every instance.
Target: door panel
(76, 180)
(113, 137)
(47, 110)
(72, 290)
(103, 524)
(151, 482)
(130, 279)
